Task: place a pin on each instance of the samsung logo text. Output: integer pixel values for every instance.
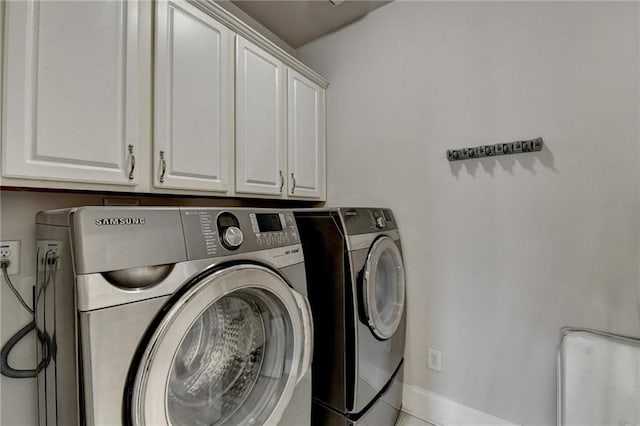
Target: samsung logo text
(120, 221)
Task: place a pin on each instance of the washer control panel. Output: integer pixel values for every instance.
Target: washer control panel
(274, 229)
(211, 232)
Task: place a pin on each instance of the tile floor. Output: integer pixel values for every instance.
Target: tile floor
(408, 420)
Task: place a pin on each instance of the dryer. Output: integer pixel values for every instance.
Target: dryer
(357, 294)
(173, 316)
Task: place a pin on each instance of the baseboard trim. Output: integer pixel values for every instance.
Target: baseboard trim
(441, 411)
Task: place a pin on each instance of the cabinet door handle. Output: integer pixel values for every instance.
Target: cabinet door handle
(133, 162)
(281, 181)
(163, 166)
(293, 188)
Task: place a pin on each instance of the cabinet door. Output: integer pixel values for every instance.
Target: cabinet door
(306, 137)
(260, 121)
(70, 91)
(193, 99)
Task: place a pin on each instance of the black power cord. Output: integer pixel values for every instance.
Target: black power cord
(9, 371)
(4, 264)
(43, 338)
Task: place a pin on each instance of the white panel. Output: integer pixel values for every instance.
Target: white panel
(193, 98)
(71, 102)
(259, 121)
(306, 127)
(599, 378)
(67, 70)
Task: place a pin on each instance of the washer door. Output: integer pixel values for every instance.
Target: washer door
(229, 351)
(383, 288)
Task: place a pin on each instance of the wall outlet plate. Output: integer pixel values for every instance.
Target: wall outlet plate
(48, 251)
(434, 359)
(11, 250)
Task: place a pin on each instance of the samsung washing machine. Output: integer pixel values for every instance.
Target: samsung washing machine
(172, 316)
(357, 294)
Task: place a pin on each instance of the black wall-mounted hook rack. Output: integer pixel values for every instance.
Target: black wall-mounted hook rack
(508, 148)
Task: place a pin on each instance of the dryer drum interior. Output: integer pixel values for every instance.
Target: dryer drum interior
(220, 360)
(225, 353)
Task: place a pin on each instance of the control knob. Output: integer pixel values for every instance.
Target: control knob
(232, 237)
(381, 222)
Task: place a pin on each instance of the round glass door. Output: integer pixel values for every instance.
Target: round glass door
(384, 288)
(227, 353)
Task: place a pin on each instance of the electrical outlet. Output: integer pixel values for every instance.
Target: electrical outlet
(434, 359)
(11, 250)
(48, 250)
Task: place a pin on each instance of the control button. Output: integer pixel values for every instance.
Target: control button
(254, 223)
(233, 237)
(290, 222)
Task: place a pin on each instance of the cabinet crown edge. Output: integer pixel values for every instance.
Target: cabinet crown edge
(248, 32)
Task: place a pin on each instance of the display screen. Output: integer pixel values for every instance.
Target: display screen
(269, 222)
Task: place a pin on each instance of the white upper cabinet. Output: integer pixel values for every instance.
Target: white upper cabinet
(70, 97)
(280, 127)
(306, 137)
(260, 121)
(193, 117)
(232, 114)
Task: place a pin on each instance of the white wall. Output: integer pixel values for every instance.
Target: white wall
(500, 253)
(17, 222)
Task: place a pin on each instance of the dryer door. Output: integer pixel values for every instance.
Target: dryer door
(228, 351)
(384, 288)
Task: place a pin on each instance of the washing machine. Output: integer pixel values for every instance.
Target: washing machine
(357, 294)
(172, 316)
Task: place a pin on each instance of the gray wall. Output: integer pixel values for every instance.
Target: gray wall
(500, 253)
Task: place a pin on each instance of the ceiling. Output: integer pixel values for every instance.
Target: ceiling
(298, 22)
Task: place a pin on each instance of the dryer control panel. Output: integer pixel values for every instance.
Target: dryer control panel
(212, 232)
(367, 220)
